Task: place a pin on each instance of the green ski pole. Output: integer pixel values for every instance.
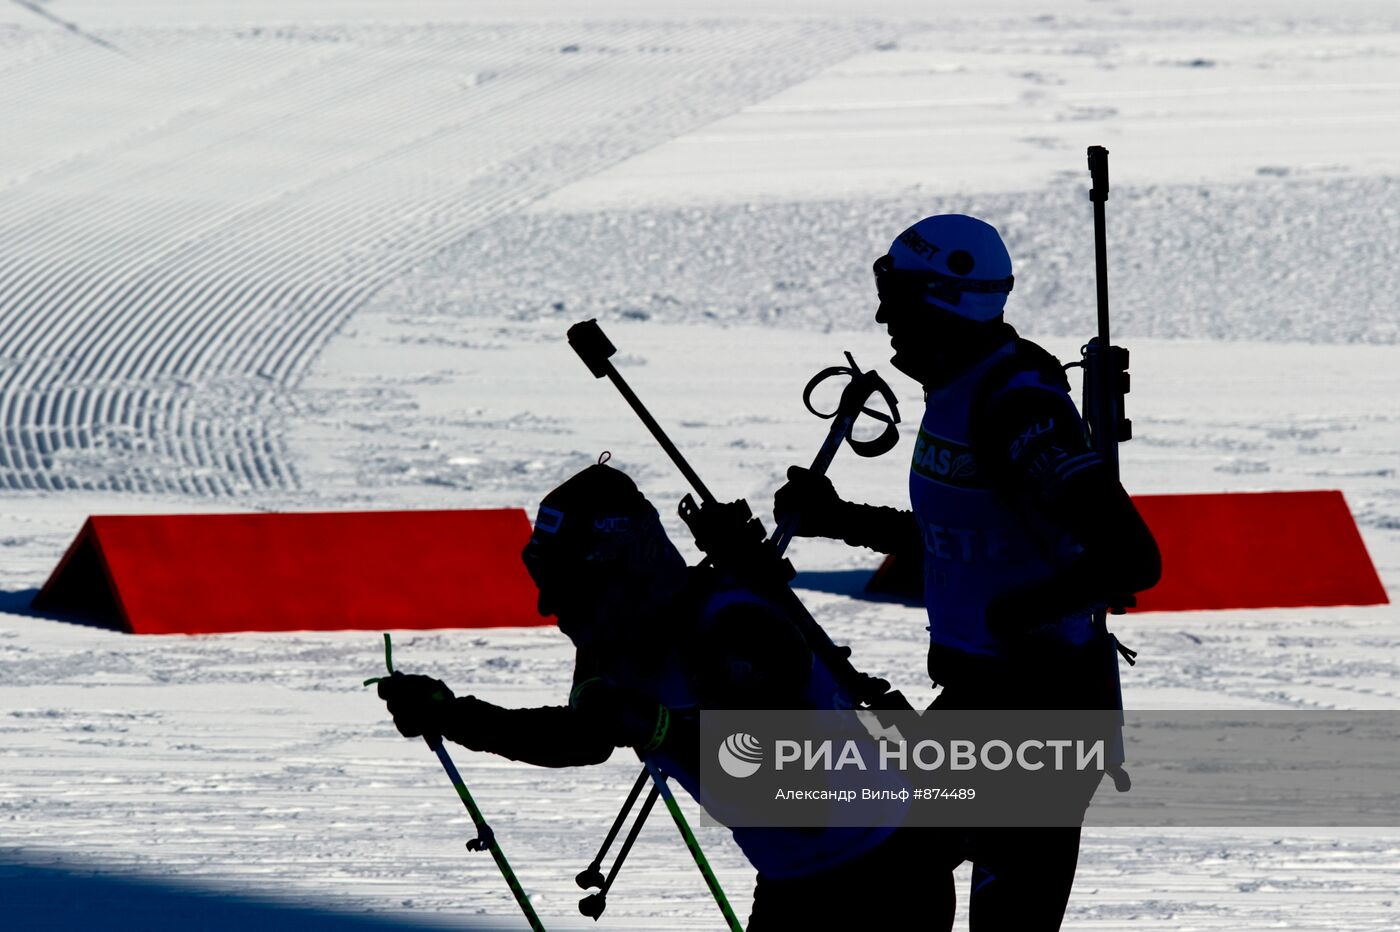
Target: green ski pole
(710, 879)
(486, 839)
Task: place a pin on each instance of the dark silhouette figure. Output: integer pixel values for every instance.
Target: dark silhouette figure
(1022, 530)
(656, 642)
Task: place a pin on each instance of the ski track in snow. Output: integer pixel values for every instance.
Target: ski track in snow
(174, 274)
(171, 273)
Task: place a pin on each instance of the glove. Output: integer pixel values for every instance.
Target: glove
(812, 499)
(420, 705)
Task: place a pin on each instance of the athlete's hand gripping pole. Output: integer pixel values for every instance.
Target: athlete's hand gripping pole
(486, 839)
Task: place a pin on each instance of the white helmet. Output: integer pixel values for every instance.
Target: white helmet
(950, 261)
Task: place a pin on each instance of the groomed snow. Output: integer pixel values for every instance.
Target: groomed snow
(313, 255)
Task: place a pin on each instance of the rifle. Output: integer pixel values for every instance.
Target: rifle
(733, 539)
(1106, 378)
(1106, 381)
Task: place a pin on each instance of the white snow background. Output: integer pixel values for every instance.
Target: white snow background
(312, 255)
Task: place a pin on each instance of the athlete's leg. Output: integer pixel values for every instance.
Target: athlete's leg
(1021, 877)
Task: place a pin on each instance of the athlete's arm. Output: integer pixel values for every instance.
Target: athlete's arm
(549, 736)
(820, 512)
(1033, 442)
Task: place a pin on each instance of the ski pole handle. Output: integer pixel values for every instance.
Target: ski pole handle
(433, 741)
(851, 406)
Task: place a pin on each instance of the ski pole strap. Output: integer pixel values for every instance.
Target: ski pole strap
(658, 733)
(578, 690)
(710, 879)
(858, 391)
(843, 419)
(388, 660)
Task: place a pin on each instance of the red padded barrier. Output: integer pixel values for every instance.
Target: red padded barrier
(188, 574)
(1257, 550)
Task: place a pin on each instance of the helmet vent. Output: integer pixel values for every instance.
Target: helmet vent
(960, 262)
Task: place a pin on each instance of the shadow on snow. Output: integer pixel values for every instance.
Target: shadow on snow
(85, 896)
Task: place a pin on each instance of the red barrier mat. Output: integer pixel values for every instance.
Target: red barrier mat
(1257, 550)
(189, 574)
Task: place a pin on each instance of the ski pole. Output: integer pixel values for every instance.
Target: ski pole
(593, 905)
(592, 875)
(710, 879)
(852, 405)
(486, 838)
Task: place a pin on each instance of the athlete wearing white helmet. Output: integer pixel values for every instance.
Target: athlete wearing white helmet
(1021, 529)
(960, 264)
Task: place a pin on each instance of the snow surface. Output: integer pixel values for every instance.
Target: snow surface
(311, 255)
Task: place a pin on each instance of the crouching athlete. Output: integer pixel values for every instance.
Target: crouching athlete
(656, 642)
